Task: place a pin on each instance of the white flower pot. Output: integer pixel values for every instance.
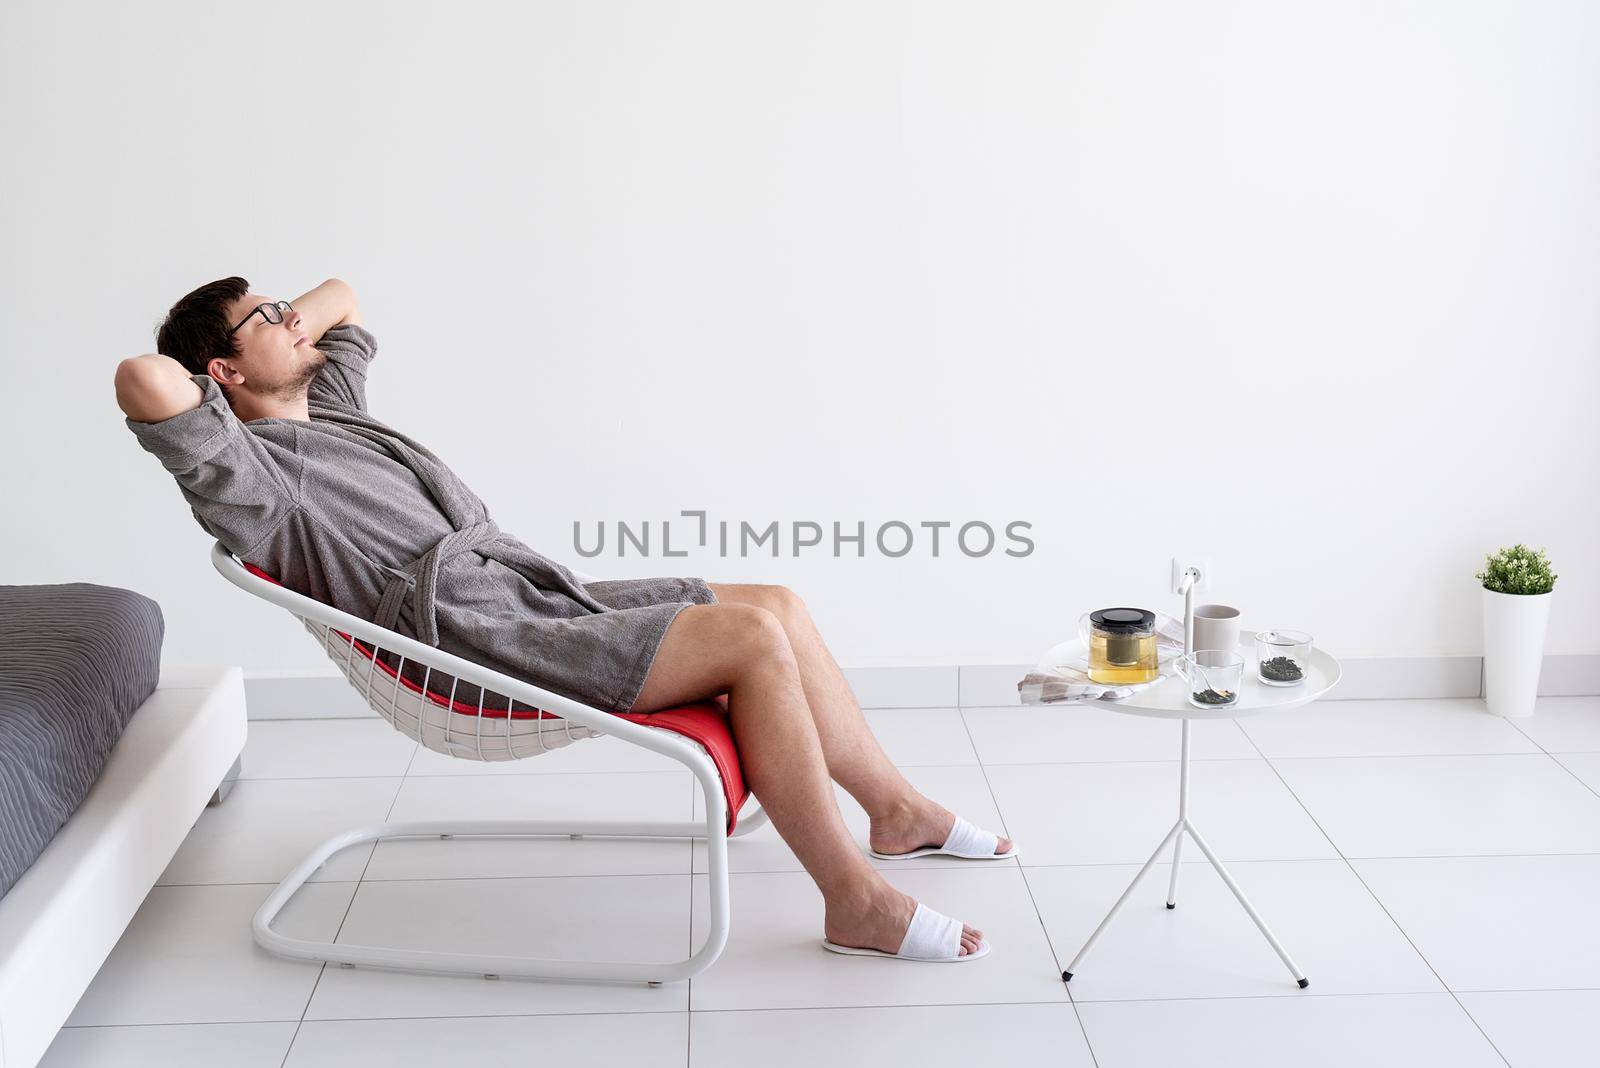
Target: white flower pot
(1513, 650)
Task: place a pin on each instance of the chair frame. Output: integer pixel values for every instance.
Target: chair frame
(318, 617)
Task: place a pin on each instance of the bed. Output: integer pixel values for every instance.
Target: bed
(106, 761)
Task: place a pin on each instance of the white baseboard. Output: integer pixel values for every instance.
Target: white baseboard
(282, 696)
(304, 697)
(912, 686)
(1571, 675)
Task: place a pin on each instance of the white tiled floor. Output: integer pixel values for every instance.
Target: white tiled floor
(1432, 868)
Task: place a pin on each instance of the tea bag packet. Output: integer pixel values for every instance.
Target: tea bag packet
(1068, 682)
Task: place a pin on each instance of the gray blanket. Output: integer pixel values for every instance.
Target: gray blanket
(358, 515)
(76, 661)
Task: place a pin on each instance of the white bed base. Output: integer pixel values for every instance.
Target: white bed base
(64, 916)
(477, 737)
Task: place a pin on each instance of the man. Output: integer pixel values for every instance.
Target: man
(258, 408)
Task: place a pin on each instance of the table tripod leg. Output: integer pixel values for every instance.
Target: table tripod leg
(1261, 924)
(1066, 976)
(1172, 887)
(1183, 816)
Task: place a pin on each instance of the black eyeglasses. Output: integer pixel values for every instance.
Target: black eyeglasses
(272, 313)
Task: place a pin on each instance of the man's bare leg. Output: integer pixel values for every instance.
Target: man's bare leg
(743, 651)
(902, 818)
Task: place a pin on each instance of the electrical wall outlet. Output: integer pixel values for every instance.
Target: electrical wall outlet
(1201, 564)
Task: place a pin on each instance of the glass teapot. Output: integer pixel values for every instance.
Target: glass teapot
(1122, 645)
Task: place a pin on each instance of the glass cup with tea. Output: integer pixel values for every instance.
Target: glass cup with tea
(1214, 677)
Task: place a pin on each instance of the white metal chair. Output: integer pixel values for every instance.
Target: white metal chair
(506, 719)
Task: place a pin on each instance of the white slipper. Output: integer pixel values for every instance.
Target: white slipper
(965, 840)
(932, 936)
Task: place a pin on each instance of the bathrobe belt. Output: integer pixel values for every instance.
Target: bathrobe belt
(422, 575)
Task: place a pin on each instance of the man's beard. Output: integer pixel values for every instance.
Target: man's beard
(294, 386)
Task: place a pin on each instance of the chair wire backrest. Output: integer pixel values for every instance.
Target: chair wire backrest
(494, 726)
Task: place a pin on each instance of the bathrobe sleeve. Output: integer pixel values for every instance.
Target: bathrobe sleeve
(238, 487)
(343, 379)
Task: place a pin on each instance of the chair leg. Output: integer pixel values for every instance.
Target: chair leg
(492, 966)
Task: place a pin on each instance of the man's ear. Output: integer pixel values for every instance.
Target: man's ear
(223, 372)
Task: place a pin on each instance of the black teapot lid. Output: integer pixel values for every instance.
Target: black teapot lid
(1123, 620)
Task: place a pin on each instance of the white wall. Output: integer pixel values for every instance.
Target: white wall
(1081, 264)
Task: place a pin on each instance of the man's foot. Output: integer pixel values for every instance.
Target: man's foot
(880, 922)
(923, 824)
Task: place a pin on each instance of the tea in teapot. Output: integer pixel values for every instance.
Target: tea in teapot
(1122, 645)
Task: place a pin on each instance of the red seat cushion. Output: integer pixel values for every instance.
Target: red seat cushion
(707, 724)
(704, 721)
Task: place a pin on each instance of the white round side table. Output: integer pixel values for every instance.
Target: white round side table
(1169, 699)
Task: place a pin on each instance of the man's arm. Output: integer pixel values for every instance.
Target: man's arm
(331, 304)
(239, 487)
(154, 388)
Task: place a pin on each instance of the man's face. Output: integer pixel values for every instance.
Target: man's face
(276, 359)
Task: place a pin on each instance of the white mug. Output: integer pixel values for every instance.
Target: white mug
(1216, 626)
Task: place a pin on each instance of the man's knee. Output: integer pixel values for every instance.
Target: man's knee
(783, 603)
(762, 630)
(754, 639)
(709, 648)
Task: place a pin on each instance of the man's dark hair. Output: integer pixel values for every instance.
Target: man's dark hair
(196, 329)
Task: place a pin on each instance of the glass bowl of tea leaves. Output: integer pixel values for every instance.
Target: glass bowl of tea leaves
(1283, 657)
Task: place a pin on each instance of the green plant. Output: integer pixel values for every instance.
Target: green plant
(1517, 569)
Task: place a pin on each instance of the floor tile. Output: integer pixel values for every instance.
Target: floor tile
(637, 917)
(1382, 1031)
(1539, 1028)
(1423, 789)
(1084, 733)
(774, 958)
(639, 1040)
(1496, 923)
(1208, 948)
(267, 826)
(914, 736)
(641, 796)
(606, 754)
(961, 789)
(1447, 805)
(1384, 728)
(188, 957)
(325, 748)
(1586, 766)
(1116, 813)
(239, 1045)
(1564, 724)
(929, 1036)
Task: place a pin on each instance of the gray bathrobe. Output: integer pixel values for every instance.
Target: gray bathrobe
(362, 517)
